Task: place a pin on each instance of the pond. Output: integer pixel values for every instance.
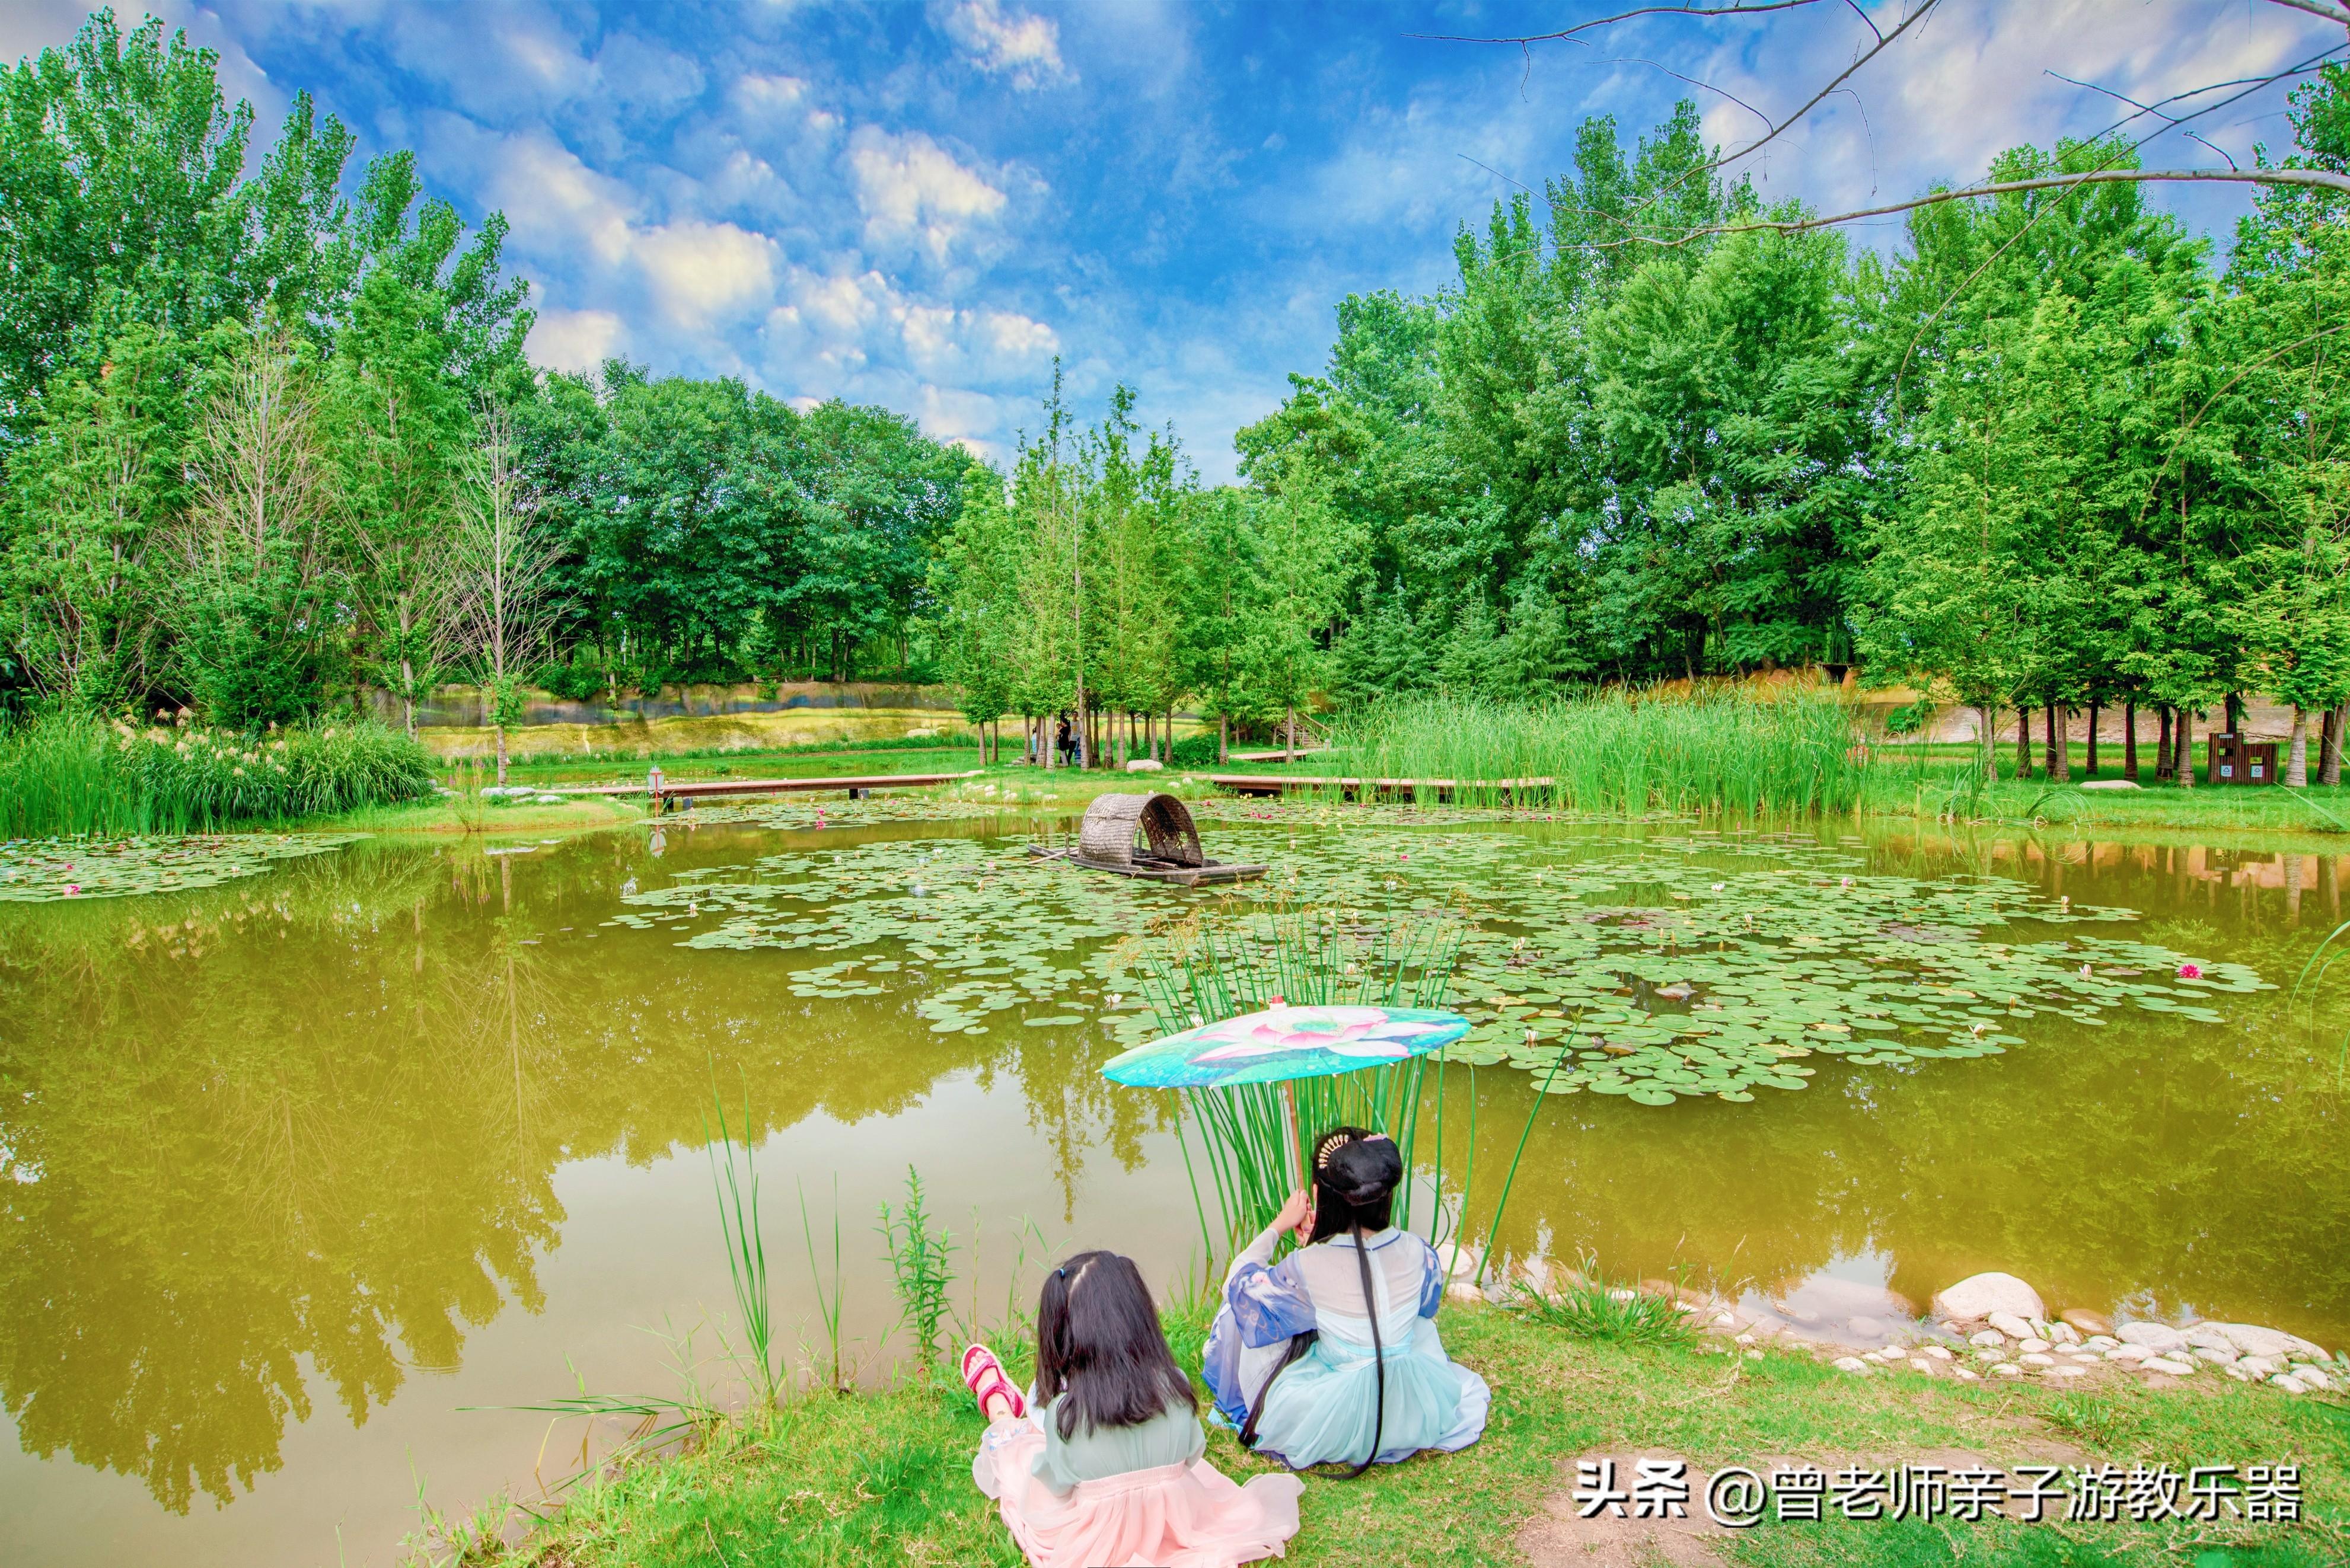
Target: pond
(313, 1173)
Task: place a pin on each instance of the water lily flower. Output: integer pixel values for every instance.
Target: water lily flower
(1848, 881)
(72, 888)
(1977, 1027)
(2084, 971)
(2190, 971)
(1718, 887)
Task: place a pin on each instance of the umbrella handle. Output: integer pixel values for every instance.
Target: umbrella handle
(1296, 1137)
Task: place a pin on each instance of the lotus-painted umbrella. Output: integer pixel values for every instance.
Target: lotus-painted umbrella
(1282, 1045)
(1285, 1043)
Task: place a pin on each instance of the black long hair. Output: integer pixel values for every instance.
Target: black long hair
(1355, 1173)
(1099, 1341)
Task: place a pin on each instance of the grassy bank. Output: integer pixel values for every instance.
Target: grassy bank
(886, 1478)
(64, 776)
(1938, 781)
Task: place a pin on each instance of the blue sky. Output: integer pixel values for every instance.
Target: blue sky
(920, 204)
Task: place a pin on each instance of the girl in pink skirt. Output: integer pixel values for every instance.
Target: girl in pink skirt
(1102, 1464)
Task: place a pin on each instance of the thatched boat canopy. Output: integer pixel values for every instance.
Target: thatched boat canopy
(1148, 836)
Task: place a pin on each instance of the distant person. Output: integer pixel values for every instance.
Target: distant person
(1331, 1355)
(1061, 742)
(1103, 1460)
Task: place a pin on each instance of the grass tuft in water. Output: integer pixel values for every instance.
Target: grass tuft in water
(1587, 1306)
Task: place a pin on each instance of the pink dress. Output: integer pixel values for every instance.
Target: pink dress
(1187, 1515)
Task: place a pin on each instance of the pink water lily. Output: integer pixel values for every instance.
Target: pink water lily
(2190, 971)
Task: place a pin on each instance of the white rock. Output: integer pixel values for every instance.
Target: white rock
(2099, 1342)
(2312, 1377)
(1979, 1296)
(1463, 1291)
(2160, 1338)
(2068, 1372)
(1725, 1320)
(1753, 1355)
(2250, 1339)
(2035, 1358)
(2289, 1384)
(2040, 1329)
(1143, 765)
(2064, 1334)
(2236, 1372)
(1970, 1373)
(1990, 1339)
(2085, 1358)
(2170, 1364)
(1849, 1363)
(2216, 1358)
(2262, 1366)
(2109, 783)
(1742, 1339)
(2128, 1353)
(2014, 1327)
(2203, 1336)
(1939, 1352)
(2006, 1369)
(2032, 1346)
(1919, 1364)
(1463, 1262)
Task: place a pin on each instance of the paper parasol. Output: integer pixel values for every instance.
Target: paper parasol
(1285, 1043)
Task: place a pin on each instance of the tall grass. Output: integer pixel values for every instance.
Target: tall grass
(64, 775)
(1313, 958)
(1621, 754)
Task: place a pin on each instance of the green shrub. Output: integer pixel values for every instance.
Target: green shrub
(64, 776)
(581, 680)
(1194, 752)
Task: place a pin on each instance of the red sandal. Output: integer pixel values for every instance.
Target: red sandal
(982, 1374)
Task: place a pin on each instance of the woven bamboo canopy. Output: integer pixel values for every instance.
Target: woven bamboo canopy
(1120, 830)
(1148, 836)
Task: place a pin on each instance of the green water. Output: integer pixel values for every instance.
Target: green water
(295, 1168)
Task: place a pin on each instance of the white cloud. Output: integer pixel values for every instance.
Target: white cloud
(764, 95)
(701, 272)
(1020, 45)
(574, 340)
(549, 196)
(642, 73)
(910, 187)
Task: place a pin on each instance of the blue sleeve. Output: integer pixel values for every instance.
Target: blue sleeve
(1431, 1279)
(1269, 1305)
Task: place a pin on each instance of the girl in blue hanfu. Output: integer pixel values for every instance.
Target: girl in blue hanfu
(1331, 1355)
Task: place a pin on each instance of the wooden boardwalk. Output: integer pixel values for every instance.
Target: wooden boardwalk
(672, 793)
(1351, 788)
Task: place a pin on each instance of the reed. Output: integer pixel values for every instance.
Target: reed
(827, 1302)
(1212, 969)
(64, 775)
(736, 1178)
(1618, 755)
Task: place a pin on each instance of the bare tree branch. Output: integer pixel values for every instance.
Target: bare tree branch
(1569, 33)
(2333, 14)
(2172, 120)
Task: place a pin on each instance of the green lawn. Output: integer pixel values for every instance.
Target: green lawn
(885, 1478)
